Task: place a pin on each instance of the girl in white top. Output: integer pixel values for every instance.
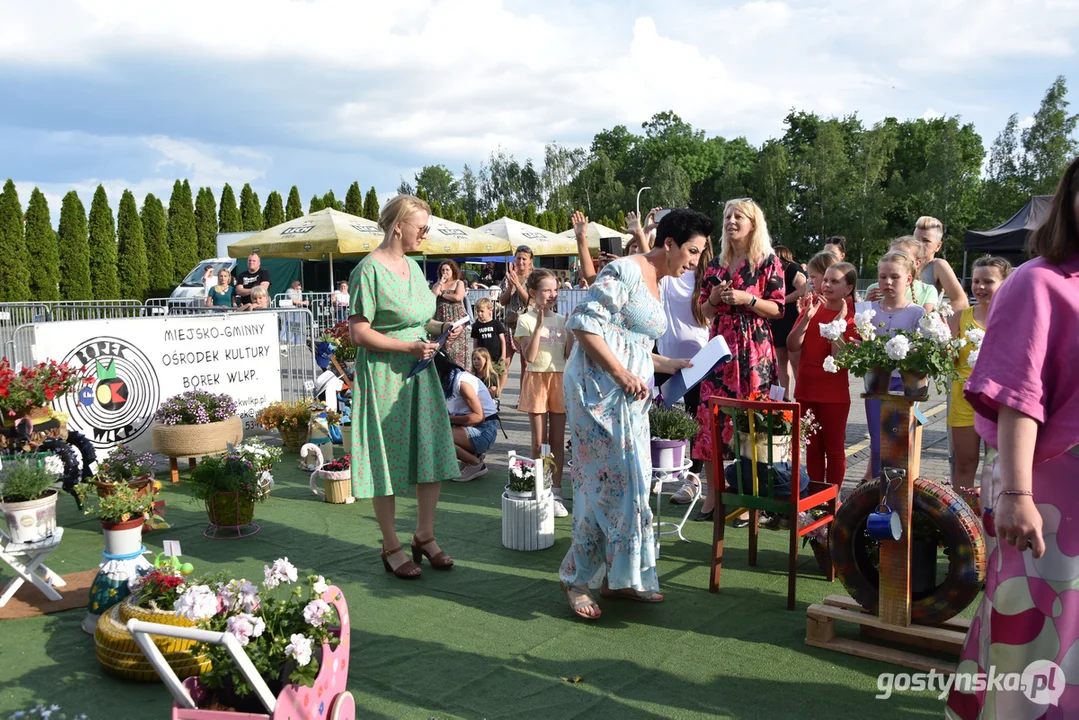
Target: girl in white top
(545, 345)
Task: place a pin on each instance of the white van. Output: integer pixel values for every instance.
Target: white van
(192, 286)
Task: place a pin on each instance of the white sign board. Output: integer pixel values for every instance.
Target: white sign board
(133, 364)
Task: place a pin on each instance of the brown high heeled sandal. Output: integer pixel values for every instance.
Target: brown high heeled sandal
(407, 570)
(441, 561)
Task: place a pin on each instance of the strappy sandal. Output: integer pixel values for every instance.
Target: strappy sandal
(584, 600)
(407, 570)
(440, 561)
(649, 596)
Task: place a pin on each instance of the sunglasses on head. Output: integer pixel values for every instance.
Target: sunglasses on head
(523, 249)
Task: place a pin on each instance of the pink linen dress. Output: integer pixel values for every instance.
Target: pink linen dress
(1030, 611)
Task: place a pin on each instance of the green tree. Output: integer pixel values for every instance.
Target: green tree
(436, 209)
(315, 205)
(562, 222)
(205, 223)
(462, 218)
(73, 236)
(103, 255)
(329, 200)
(421, 193)
(42, 247)
(370, 204)
(1048, 145)
(250, 211)
(354, 200)
(132, 268)
(530, 215)
(14, 268)
(294, 207)
(439, 184)
(1003, 191)
(274, 212)
(229, 218)
(159, 267)
(181, 233)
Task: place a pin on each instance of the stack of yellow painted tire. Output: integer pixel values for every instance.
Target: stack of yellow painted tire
(120, 655)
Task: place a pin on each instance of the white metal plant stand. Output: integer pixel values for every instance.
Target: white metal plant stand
(27, 560)
(670, 476)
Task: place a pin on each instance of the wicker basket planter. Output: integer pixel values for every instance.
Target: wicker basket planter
(120, 656)
(179, 441)
(230, 510)
(336, 485)
(294, 438)
(781, 447)
(35, 414)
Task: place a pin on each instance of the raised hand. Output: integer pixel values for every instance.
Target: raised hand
(632, 222)
(873, 295)
(580, 223)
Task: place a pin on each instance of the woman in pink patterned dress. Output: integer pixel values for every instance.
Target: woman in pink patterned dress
(743, 289)
(1025, 393)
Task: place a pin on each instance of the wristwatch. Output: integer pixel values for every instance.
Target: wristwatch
(753, 301)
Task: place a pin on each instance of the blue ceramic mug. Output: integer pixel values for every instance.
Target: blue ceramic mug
(883, 524)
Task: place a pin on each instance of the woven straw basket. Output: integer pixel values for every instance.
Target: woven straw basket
(179, 441)
(119, 654)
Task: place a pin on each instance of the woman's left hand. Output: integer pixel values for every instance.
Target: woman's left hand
(455, 333)
(669, 366)
(736, 297)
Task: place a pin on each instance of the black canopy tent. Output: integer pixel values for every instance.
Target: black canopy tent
(1008, 240)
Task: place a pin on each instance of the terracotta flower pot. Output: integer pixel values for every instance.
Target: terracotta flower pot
(197, 440)
(123, 538)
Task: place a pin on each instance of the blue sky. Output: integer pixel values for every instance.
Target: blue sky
(319, 93)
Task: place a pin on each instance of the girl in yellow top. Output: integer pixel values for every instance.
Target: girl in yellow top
(969, 325)
(545, 345)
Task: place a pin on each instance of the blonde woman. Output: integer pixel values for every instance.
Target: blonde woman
(222, 294)
(401, 436)
(742, 290)
(936, 272)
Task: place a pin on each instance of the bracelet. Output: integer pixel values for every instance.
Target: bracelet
(1017, 492)
(712, 303)
(753, 302)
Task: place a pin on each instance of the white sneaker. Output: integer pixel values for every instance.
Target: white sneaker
(559, 509)
(471, 472)
(690, 490)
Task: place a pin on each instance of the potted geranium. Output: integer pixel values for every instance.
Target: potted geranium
(29, 391)
(28, 499)
(293, 420)
(196, 423)
(153, 596)
(522, 478)
(336, 479)
(671, 430)
(928, 352)
(288, 628)
(229, 486)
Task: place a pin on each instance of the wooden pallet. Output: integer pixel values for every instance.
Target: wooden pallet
(945, 638)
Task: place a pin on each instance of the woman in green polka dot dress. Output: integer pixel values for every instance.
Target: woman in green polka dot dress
(400, 427)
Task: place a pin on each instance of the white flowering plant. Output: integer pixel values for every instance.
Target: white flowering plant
(282, 624)
(929, 350)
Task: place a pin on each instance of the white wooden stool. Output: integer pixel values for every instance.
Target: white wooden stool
(27, 559)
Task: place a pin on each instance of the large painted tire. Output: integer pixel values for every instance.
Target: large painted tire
(951, 515)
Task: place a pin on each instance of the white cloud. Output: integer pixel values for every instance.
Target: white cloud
(1026, 122)
(932, 114)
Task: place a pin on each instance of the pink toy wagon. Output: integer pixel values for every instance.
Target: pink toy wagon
(327, 700)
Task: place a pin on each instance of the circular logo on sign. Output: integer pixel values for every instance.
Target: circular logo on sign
(119, 402)
(307, 246)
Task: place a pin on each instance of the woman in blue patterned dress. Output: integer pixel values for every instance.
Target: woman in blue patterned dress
(607, 400)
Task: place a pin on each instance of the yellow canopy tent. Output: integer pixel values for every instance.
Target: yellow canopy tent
(595, 233)
(542, 242)
(448, 239)
(317, 236)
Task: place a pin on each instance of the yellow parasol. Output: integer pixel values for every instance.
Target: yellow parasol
(542, 242)
(318, 236)
(449, 239)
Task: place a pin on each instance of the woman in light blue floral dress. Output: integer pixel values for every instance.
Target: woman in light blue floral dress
(606, 383)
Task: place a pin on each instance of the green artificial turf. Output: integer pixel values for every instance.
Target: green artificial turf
(492, 638)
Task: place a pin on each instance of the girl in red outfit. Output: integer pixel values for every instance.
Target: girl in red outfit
(822, 387)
